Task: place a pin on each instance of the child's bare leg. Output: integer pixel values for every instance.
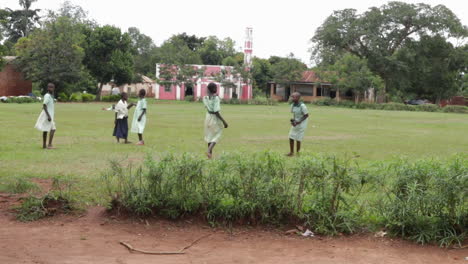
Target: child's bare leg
(210, 149)
(51, 137)
(291, 147)
(298, 146)
(44, 139)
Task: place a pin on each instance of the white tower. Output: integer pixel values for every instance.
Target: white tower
(248, 48)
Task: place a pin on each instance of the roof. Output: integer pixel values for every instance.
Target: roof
(146, 79)
(9, 58)
(311, 77)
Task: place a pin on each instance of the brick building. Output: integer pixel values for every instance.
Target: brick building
(12, 82)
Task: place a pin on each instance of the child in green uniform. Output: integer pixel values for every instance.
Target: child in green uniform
(46, 121)
(214, 123)
(139, 117)
(298, 123)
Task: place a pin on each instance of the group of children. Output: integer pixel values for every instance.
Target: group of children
(214, 122)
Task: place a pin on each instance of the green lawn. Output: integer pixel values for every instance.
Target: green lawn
(85, 144)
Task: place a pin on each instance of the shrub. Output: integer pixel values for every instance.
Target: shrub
(325, 102)
(398, 107)
(63, 97)
(427, 108)
(87, 97)
(455, 109)
(75, 97)
(34, 208)
(189, 98)
(110, 98)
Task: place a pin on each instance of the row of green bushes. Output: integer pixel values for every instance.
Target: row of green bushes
(425, 200)
(259, 100)
(21, 100)
(76, 97)
(392, 106)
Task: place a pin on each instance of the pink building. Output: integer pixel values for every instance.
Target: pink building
(242, 89)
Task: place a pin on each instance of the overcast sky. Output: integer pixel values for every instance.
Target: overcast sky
(279, 27)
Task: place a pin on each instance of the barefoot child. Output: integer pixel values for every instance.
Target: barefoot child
(121, 119)
(298, 123)
(214, 123)
(46, 121)
(139, 117)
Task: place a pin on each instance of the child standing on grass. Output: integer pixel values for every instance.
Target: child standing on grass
(214, 122)
(46, 121)
(121, 119)
(298, 123)
(139, 117)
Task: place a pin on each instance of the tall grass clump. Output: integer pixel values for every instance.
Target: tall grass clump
(426, 200)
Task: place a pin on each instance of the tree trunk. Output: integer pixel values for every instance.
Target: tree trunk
(98, 93)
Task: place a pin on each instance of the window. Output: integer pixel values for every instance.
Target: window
(305, 90)
(168, 88)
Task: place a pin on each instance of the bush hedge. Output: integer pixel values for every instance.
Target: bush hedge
(392, 106)
(424, 200)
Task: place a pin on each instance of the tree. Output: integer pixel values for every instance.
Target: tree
(20, 23)
(287, 70)
(108, 56)
(176, 51)
(378, 33)
(214, 51)
(430, 68)
(193, 42)
(52, 54)
(261, 74)
(143, 52)
(351, 73)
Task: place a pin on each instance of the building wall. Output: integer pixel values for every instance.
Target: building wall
(243, 89)
(12, 82)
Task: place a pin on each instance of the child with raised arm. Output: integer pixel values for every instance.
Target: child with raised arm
(298, 123)
(121, 119)
(214, 122)
(139, 117)
(46, 121)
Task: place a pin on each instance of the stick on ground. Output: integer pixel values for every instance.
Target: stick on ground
(182, 251)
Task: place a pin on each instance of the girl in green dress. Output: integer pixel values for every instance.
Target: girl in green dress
(214, 122)
(139, 117)
(298, 123)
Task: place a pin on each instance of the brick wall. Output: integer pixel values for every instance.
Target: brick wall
(12, 82)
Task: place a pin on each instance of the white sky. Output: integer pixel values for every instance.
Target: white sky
(279, 27)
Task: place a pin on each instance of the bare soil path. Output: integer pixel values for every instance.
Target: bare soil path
(94, 238)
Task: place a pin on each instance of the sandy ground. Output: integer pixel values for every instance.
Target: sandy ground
(93, 237)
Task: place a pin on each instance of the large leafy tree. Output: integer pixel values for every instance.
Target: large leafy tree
(350, 72)
(381, 31)
(286, 70)
(143, 52)
(52, 53)
(108, 56)
(429, 68)
(19, 23)
(214, 51)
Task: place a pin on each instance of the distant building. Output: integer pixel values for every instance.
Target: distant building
(133, 88)
(12, 82)
(242, 89)
(313, 88)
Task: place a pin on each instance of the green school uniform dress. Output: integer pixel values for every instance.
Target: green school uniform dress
(42, 123)
(299, 111)
(213, 125)
(139, 126)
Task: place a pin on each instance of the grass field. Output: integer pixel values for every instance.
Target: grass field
(85, 145)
